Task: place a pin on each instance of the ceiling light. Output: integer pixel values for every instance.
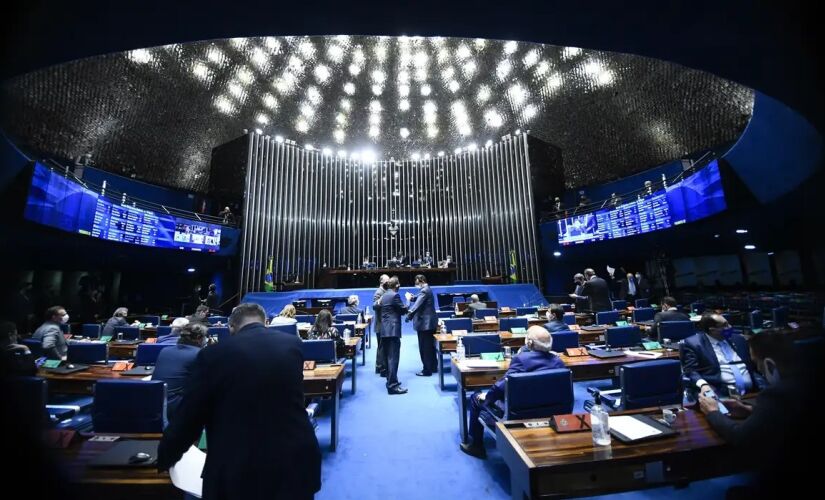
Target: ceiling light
(404, 132)
(741, 231)
(426, 157)
(190, 270)
(441, 153)
(425, 90)
(416, 156)
(339, 135)
(259, 131)
(309, 147)
(770, 253)
(279, 138)
(750, 247)
(327, 152)
(342, 153)
(518, 131)
(404, 105)
(556, 254)
(488, 143)
(472, 147)
(715, 235)
(349, 88)
(510, 47)
(457, 150)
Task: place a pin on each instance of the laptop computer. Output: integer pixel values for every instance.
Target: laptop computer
(139, 371)
(66, 368)
(604, 354)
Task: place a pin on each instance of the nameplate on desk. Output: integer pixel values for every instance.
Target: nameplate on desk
(621, 323)
(51, 363)
(571, 422)
(106, 338)
(309, 365)
(505, 309)
(649, 346)
(576, 351)
(459, 332)
(490, 319)
(519, 330)
(122, 366)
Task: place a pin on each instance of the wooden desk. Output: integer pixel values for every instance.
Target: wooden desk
(358, 330)
(350, 351)
(445, 343)
(581, 367)
(543, 463)
(324, 381)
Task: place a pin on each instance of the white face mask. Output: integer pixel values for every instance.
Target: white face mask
(549, 317)
(65, 318)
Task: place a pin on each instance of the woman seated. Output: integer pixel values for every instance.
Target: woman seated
(174, 364)
(323, 329)
(285, 317)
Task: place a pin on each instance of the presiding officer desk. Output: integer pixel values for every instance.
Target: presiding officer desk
(544, 463)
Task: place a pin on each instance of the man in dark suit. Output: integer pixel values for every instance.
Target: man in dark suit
(474, 305)
(668, 313)
(762, 432)
(248, 393)
(596, 291)
(555, 319)
(425, 322)
(380, 368)
(117, 319)
(391, 311)
(581, 302)
(643, 286)
(427, 260)
(535, 356)
(717, 359)
(629, 289)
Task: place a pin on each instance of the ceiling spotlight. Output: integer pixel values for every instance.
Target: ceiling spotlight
(279, 138)
(342, 153)
(472, 147)
(457, 150)
(190, 270)
(770, 253)
(416, 156)
(715, 235)
(441, 153)
(556, 254)
(518, 131)
(750, 247)
(309, 147)
(259, 131)
(488, 143)
(427, 156)
(327, 152)
(741, 231)
(404, 132)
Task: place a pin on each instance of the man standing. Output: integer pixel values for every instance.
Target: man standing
(629, 289)
(596, 291)
(263, 450)
(391, 310)
(51, 336)
(425, 322)
(380, 368)
(669, 312)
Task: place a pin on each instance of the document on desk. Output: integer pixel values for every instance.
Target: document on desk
(644, 354)
(479, 363)
(186, 474)
(632, 428)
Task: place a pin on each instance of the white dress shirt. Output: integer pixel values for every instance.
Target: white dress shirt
(727, 368)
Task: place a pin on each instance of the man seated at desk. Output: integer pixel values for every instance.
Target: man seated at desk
(718, 359)
(535, 356)
(764, 431)
(668, 313)
(474, 304)
(555, 319)
(446, 263)
(427, 260)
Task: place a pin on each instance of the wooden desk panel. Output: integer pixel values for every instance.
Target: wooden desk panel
(543, 463)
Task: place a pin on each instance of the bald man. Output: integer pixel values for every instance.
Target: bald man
(474, 304)
(535, 356)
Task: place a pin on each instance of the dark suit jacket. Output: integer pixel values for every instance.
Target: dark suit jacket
(376, 305)
(248, 393)
(667, 316)
(391, 311)
(699, 361)
(597, 292)
(525, 361)
(624, 289)
(556, 326)
(111, 323)
(173, 366)
(422, 311)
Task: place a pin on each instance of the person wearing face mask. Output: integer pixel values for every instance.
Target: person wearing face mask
(425, 322)
(555, 319)
(629, 289)
(50, 335)
(247, 391)
(174, 364)
(764, 431)
(716, 359)
(642, 286)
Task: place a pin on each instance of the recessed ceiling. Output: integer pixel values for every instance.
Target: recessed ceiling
(155, 114)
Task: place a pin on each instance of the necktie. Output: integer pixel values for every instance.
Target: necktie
(728, 353)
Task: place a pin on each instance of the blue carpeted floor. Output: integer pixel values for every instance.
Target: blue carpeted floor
(406, 447)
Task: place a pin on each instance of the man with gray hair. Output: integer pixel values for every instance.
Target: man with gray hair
(376, 305)
(352, 308)
(247, 391)
(474, 304)
(117, 319)
(535, 356)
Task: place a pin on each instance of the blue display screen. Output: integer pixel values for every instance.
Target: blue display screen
(63, 203)
(697, 196)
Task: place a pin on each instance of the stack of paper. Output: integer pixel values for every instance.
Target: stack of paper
(186, 474)
(632, 428)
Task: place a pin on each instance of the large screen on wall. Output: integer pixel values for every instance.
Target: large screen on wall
(63, 203)
(694, 197)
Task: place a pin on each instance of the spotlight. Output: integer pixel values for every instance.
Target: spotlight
(715, 235)
(309, 147)
(488, 143)
(259, 131)
(457, 150)
(426, 157)
(327, 152)
(741, 231)
(556, 254)
(190, 270)
(518, 131)
(472, 147)
(770, 253)
(441, 153)
(278, 138)
(416, 156)
(750, 247)
(342, 153)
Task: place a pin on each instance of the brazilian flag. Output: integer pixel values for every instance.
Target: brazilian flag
(269, 284)
(513, 274)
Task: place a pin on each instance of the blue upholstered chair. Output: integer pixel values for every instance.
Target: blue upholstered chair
(567, 308)
(619, 304)
(87, 352)
(650, 383)
(507, 324)
(346, 317)
(291, 329)
(129, 406)
(129, 332)
(607, 317)
(213, 320)
(465, 324)
(164, 330)
(697, 307)
(35, 346)
(563, 340)
(90, 330)
(538, 394)
(444, 314)
(446, 308)
(149, 318)
(481, 342)
(221, 332)
(569, 318)
(147, 354)
(623, 336)
(321, 351)
(643, 314)
(524, 311)
(755, 319)
(642, 303)
(780, 316)
(676, 330)
(458, 299)
(305, 318)
(482, 313)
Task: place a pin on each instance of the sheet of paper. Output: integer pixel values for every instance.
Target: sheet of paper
(480, 363)
(147, 377)
(644, 354)
(632, 428)
(186, 474)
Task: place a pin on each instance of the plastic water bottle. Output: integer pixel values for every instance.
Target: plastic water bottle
(459, 350)
(600, 423)
(346, 333)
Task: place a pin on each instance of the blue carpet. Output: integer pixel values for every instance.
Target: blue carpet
(406, 447)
